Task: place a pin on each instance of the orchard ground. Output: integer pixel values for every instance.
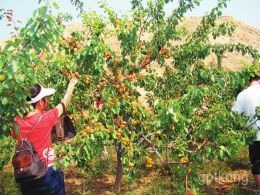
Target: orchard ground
(232, 177)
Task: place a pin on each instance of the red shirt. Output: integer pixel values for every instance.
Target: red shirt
(41, 134)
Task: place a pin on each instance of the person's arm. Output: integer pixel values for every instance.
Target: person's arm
(67, 96)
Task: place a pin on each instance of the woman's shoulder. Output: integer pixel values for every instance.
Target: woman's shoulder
(31, 118)
(51, 111)
(51, 114)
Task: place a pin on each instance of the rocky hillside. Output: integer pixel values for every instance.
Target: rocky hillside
(244, 34)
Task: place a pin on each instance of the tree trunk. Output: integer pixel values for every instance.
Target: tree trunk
(119, 171)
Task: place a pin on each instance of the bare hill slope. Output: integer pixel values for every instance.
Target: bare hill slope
(244, 34)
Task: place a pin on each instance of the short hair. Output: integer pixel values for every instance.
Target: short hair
(34, 91)
(254, 78)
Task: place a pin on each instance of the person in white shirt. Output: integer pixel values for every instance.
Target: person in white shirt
(246, 104)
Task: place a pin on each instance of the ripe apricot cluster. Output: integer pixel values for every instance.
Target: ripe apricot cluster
(92, 127)
(73, 45)
(119, 134)
(121, 123)
(184, 159)
(88, 79)
(126, 143)
(66, 74)
(165, 53)
(148, 162)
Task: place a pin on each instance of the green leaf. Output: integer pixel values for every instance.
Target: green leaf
(15, 43)
(42, 10)
(18, 95)
(92, 138)
(20, 78)
(55, 5)
(4, 101)
(2, 62)
(221, 154)
(16, 66)
(16, 129)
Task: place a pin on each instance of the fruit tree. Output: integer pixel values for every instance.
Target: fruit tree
(186, 117)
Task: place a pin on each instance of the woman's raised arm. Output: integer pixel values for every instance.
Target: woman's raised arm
(68, 95)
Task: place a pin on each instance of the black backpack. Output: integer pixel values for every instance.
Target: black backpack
(26, 162)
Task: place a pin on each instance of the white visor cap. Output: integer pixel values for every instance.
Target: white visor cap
(43, 93)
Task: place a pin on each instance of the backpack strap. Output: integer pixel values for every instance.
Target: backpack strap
(33, 127)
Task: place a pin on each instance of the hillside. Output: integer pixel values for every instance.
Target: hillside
(244, 34)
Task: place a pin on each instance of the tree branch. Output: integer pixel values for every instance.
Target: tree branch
(154, 148)
(147, 136)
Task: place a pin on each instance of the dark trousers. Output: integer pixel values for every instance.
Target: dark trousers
(51, 184)
(254, 154)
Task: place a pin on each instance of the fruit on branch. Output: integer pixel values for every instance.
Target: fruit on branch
(136, 122)
(190, 192)
(88, 129)
(88, 79)
(2, 77)
(140, 46)
(93, 121)
(77, 75)
(70, 40)
(125, 141)
(105, 81)
(100, 103)
(59, 21)
(115, 60)
(131, 165)
(117, 22)
(78, 46)
(148, 162)
(203, 107)
(146, 60)
(193, 144)
(119, 76)
(130, 77)
(107, 56)
(84, 133)
(98, 86)
(122, 85)
(125, 95)
(184, 159)
(131, 154)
